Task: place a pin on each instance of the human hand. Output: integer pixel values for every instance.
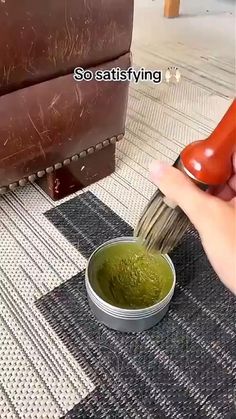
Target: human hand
(213, 214)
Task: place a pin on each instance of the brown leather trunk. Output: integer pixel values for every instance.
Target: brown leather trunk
(50, 124)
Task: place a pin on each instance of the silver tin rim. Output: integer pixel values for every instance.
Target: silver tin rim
(121, 312)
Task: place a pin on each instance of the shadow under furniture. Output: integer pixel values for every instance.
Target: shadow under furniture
(54, 130)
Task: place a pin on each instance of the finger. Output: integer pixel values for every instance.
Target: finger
(179, 188)
(232, 183)
(233, 203)
(224, 192)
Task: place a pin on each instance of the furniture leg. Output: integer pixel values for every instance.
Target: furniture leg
(171, 8)
(79, 174)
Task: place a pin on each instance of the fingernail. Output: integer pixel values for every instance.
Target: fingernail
(157, 169)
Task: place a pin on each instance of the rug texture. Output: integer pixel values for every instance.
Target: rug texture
(185, 367)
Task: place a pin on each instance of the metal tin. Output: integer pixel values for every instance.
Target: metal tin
(126, 320)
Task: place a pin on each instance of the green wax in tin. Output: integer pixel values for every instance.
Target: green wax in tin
(127, 276)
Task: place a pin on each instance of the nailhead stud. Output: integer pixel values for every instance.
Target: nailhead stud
(113, 140)
(66, 162)
(22, 182)
(58, 166)
(49, 169)
(75, 157)
(105, 143)
(13, 186)
(41, 173)
(120, 137)
(90, 150)
(98, 146)
(32, 178)
(82, 154)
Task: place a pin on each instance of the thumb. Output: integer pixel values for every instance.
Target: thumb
(176, 186)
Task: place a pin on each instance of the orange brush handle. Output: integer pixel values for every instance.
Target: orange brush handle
(210, 161)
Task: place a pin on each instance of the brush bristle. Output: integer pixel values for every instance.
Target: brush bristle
(161, 226)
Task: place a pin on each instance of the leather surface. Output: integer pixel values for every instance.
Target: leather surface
(48, 122)
(43, 39)
(80, 174)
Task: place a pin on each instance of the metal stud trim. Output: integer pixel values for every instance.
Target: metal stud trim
(75, 157)
(32, 178)
(59, 165)
(50, 169)
(90, 150)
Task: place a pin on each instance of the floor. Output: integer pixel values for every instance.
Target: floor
(161, 120)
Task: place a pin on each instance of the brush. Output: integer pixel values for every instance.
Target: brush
(208, 163)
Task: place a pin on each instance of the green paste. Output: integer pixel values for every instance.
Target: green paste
(127, 276)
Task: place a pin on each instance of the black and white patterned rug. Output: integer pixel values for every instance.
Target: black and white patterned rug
(185, 367)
